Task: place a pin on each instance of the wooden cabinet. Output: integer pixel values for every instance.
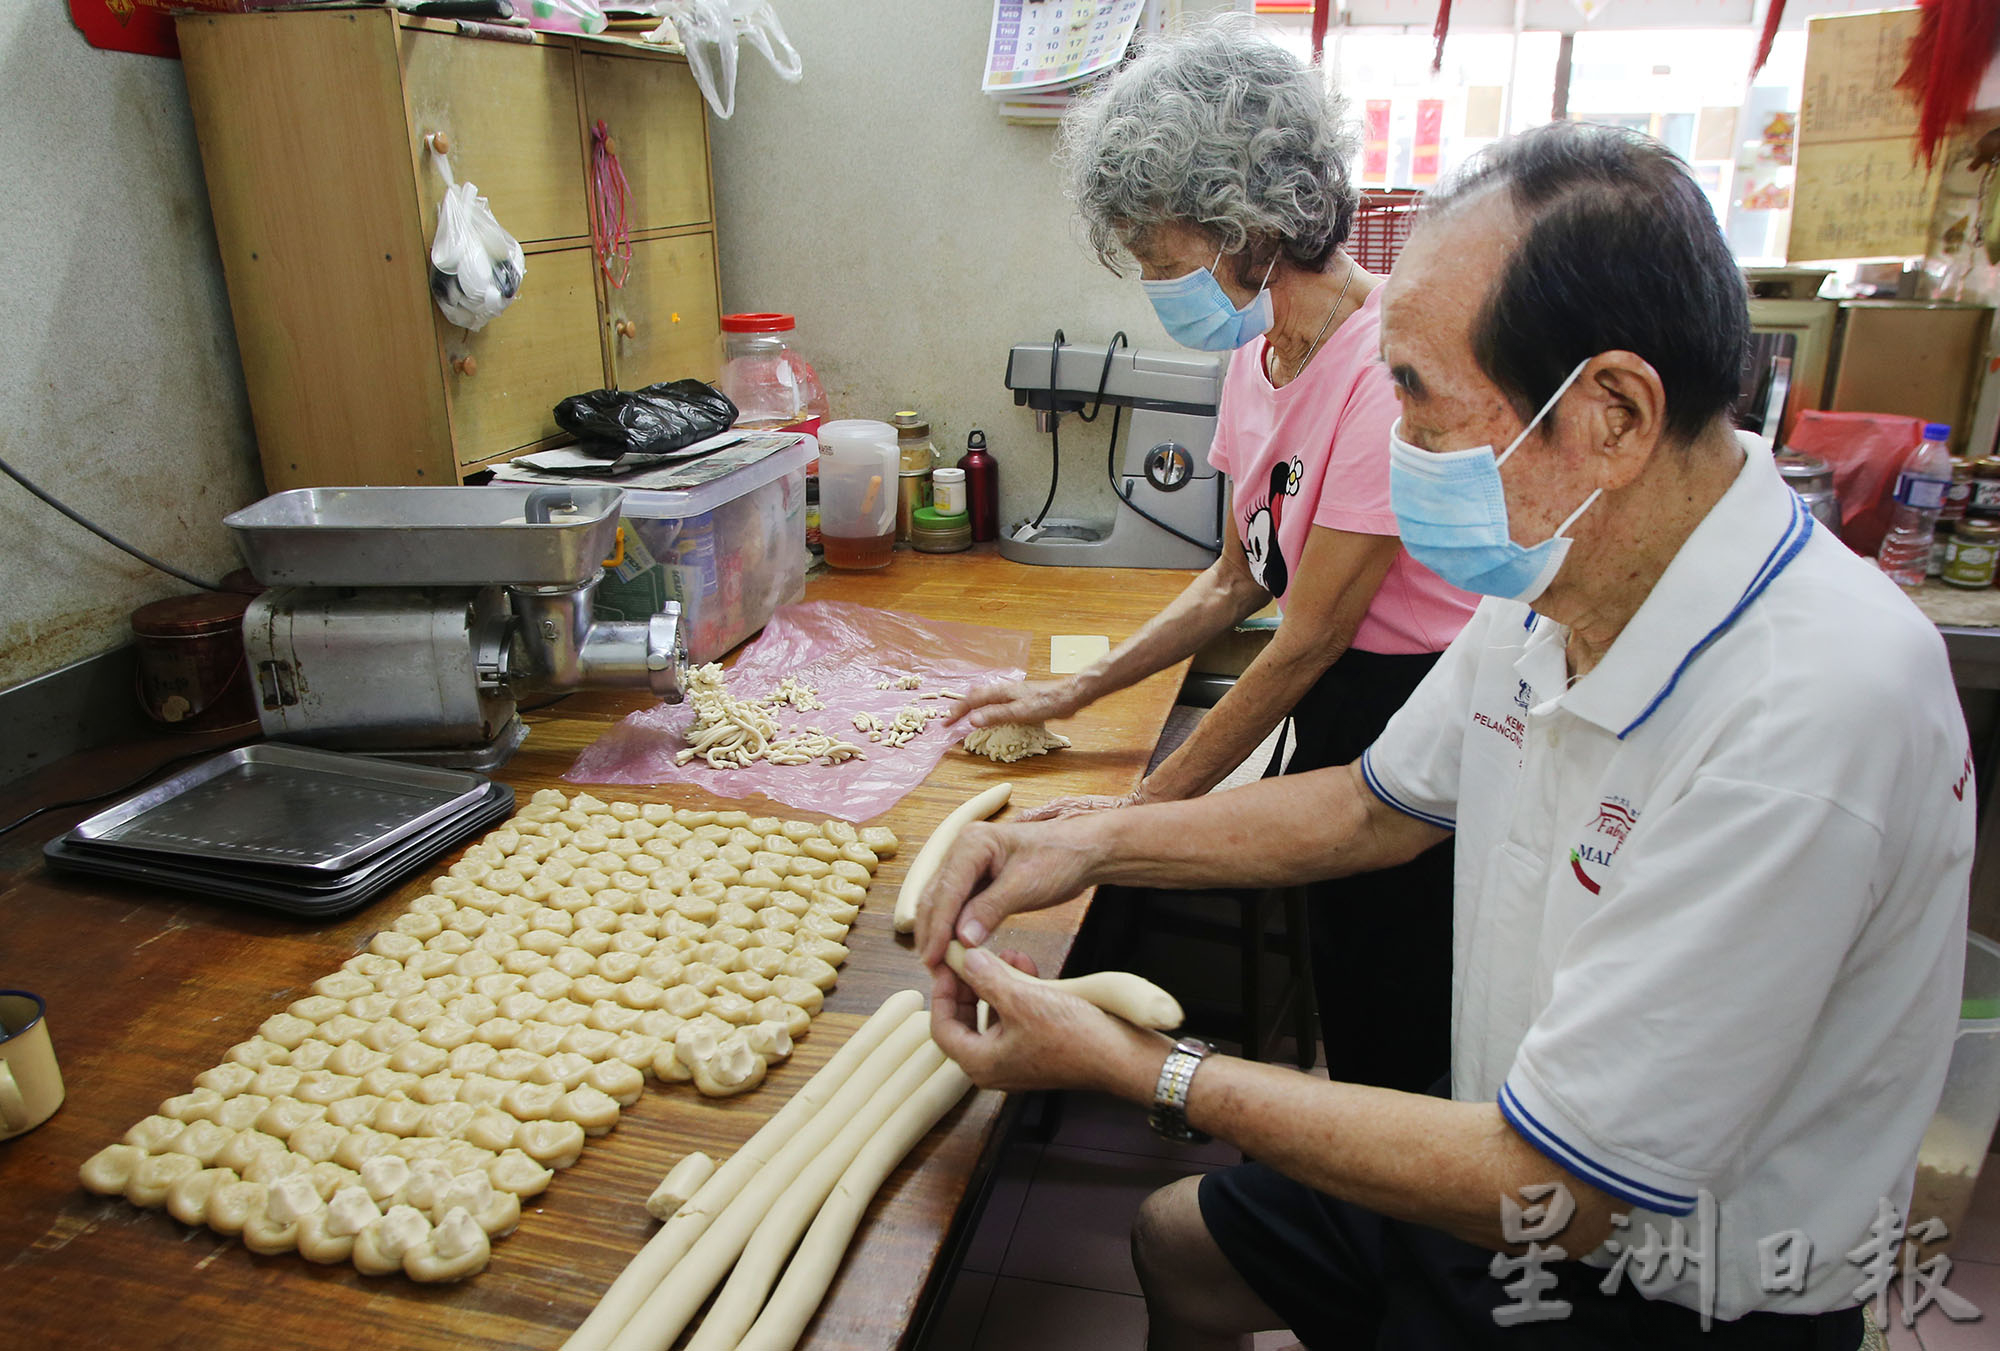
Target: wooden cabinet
(313, 128)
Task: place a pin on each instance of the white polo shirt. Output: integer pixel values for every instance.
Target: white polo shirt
(1710, 910)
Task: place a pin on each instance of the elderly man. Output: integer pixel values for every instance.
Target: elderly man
(1711, 794)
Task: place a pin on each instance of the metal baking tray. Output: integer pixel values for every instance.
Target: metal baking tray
(351, 892)
(311, 811)
(425, 536)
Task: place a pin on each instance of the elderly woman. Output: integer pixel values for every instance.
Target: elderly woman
(1219, 163)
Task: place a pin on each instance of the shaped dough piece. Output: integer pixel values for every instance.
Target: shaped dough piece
(455, 1249)
(379, 1249)
(187, 1199)
(108, 1170)
(893, 1021)
(680, 1184)
(155, 1174)
(782, 1323)
(925, 865)
(1119, 993)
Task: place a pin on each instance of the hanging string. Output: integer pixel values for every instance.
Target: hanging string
(609, 192)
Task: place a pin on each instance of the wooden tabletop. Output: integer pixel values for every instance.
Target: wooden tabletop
(147, 988)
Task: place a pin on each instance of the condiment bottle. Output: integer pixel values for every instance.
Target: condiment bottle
(916, 457)
(982, 487)
(948, 492)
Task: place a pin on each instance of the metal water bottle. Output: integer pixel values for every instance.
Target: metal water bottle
(982, 487)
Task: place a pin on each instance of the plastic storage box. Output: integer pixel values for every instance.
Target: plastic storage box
(730, 551)
(1955, 1145)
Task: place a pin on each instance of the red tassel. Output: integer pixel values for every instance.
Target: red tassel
(1947, 57)
(1772, 18)
(1438, 31)
(1322, 11)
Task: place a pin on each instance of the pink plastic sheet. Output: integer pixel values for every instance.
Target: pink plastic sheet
(841, 650)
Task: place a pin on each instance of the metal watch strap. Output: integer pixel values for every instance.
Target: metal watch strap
(1170, 1094)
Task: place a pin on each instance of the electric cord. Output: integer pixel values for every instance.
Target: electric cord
(1118, 340)
(1111, 476)
(156, 770)
(108, 538)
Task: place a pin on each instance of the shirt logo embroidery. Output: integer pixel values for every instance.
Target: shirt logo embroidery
(1525, 696)
(1260, 528)
(1615, 818)
(1510, 727)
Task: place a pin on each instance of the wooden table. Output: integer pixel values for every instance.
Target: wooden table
(146, 989)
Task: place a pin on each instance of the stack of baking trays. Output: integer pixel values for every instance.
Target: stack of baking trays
(310, 832)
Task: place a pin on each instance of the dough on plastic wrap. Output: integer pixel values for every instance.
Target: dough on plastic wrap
(1009, 742)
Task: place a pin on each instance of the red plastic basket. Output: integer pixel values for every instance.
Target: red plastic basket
(1380, 226)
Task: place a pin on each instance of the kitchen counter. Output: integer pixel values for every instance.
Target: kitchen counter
(147, 988)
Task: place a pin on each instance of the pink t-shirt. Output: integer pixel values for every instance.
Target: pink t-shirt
(1316, 452)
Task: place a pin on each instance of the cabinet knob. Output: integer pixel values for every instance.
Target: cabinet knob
(466, 365)
(440, 143)
(627, 329)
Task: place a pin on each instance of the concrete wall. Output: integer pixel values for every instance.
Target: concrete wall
(915, 234)
(120, 390)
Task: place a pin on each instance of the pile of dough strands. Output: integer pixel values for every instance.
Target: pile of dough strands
(766, 1232)
(397, 1115)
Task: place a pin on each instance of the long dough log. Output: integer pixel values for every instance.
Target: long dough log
(643, 1273)
(812, 1270)
(763, 1257)
(925, 865)
(861, 1107)
(1119, 993)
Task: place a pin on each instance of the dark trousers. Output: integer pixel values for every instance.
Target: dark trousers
(1381, 941)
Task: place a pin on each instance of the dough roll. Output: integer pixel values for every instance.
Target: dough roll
(925, 865)
(810, 1275)
(763, 1257)
(1119, 993)
(867, 1100)
(677, 1235)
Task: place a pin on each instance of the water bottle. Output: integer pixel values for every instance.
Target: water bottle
(1919, 497)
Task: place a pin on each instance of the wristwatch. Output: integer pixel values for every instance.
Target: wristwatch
(1170, 1095)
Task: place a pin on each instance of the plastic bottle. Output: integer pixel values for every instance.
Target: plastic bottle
(982, 487)
(1919, 497)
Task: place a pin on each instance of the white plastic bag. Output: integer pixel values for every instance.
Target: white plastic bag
(709, 29)
(476, 267)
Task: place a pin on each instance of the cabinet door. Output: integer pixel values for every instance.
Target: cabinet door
(508, 112)
(666, 324)
(653, 110)
(505, 380)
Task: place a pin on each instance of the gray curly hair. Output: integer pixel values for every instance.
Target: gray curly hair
(1219, 128)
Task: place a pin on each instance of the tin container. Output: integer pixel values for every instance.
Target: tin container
(933, 532)
(1970, 555)
(1812, 479)
(192, 676)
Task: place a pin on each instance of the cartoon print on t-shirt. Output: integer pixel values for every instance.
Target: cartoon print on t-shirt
(1260, 529)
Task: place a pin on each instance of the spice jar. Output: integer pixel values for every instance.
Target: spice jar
(1970, 555)
(916, 457)
(1959, 495)
(948, 491)
(1985, 487)
(932, 532)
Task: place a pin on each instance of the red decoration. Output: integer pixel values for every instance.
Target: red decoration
(1438, 31)
(125, 26)
(1772, 17)
(1322, 11)
(1949, 54)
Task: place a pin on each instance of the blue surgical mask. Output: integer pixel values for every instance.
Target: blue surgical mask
(1451, 508)
(1198, 313)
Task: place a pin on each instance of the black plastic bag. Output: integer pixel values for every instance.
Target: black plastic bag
(656, 420)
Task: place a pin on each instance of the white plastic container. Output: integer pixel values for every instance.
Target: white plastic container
(857, 492)
(731, 551)
(1955, 1145)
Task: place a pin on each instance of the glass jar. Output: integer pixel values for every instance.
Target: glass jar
(771, 385)
(1985, 488)
(1970, 555)
(916, 457)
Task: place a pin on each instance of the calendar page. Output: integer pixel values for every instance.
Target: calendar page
(1039, 44)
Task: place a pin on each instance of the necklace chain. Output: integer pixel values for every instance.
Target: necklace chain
(1324, 328)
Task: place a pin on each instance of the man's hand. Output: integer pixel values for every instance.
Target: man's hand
(996, 871)
(1011, 702)
(1057, 809)
(1039, 1038)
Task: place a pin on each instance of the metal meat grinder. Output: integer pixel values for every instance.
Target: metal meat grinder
(1164, 478)
(408, 622)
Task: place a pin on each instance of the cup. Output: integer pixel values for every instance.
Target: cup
(31, 1087)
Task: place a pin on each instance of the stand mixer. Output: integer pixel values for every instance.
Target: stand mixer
(408, 622)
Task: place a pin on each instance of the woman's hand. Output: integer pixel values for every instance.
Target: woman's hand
(996, 871)
(1056, 809)
(1012, 702)
(1038, 1038)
